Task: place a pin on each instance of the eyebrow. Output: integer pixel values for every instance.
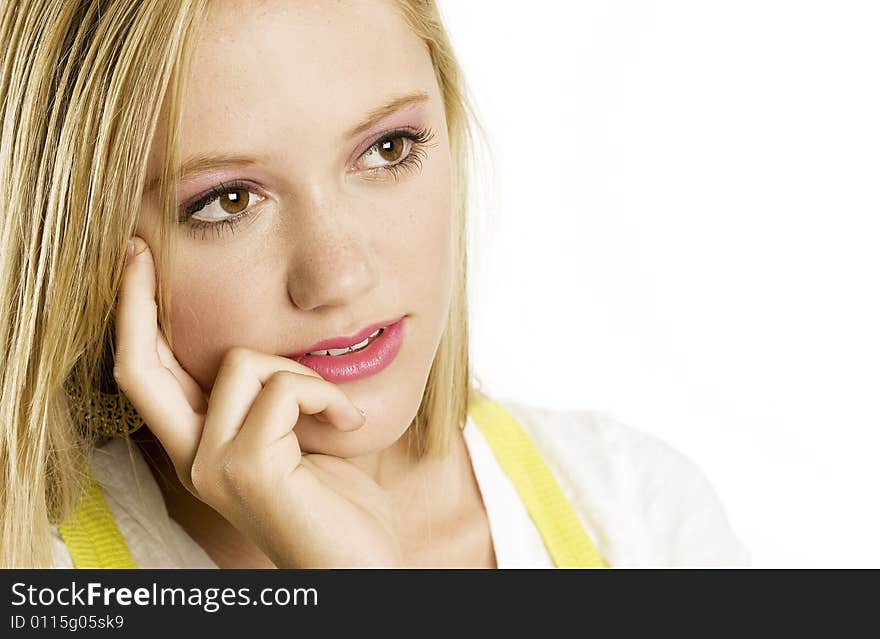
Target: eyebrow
(379, 113)
(207, 161)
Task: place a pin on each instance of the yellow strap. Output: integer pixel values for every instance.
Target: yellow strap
(92, 536)
(564, 536)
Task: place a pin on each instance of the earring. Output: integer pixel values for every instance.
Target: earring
(107, 414)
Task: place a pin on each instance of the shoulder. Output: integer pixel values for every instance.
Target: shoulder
(137, 507)
(643, 502)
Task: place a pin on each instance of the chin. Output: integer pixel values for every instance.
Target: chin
(389, 413)
(369, 439)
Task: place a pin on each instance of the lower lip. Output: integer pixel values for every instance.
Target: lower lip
(369, 361)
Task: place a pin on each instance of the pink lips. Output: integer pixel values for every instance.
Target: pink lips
(378, 354)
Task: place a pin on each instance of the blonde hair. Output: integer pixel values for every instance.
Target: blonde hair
(84, 85)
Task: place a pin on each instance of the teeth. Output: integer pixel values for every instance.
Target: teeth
(342, 351)
(339, 351)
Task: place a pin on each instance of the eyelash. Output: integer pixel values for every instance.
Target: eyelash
(420, 139)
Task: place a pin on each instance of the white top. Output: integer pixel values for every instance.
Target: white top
(643, 503)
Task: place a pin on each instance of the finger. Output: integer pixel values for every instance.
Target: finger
(286, 395)
(194, 393)
(239, 381)
(152, 389)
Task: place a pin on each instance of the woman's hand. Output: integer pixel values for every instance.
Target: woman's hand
(237, 451)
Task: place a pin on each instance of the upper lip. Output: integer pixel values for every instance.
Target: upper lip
(345, 342)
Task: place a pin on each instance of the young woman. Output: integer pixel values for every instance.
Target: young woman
(233, 310)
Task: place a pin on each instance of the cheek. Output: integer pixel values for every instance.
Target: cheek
(423, 235)
(209, 315)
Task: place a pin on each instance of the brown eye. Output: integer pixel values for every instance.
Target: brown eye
(234, 201)
(395, 153)
(224, 202)
(391, 150)
(388, 152)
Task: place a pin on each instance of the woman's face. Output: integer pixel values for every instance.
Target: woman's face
(320, 231)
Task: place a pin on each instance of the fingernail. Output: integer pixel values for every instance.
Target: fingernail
(130, 251)
(362, 411)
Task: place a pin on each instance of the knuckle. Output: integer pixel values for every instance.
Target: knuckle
(234, 358)
(202, 480)
(284, 379)
(122, 294)
(197, 477)
(121, 376)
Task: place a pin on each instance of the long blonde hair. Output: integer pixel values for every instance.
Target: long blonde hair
(83, 85)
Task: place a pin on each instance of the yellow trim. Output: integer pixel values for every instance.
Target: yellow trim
(564, 536)
(92, 536)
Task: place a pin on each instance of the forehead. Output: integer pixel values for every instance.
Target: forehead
(277, 69)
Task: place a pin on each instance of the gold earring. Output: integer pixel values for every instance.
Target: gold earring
(107, 414)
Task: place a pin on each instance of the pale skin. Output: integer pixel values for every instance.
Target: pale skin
(272, 464)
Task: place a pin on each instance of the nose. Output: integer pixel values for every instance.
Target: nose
(331, 259)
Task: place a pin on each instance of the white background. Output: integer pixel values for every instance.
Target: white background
(681, 230)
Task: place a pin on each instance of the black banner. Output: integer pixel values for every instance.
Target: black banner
(136, 602)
